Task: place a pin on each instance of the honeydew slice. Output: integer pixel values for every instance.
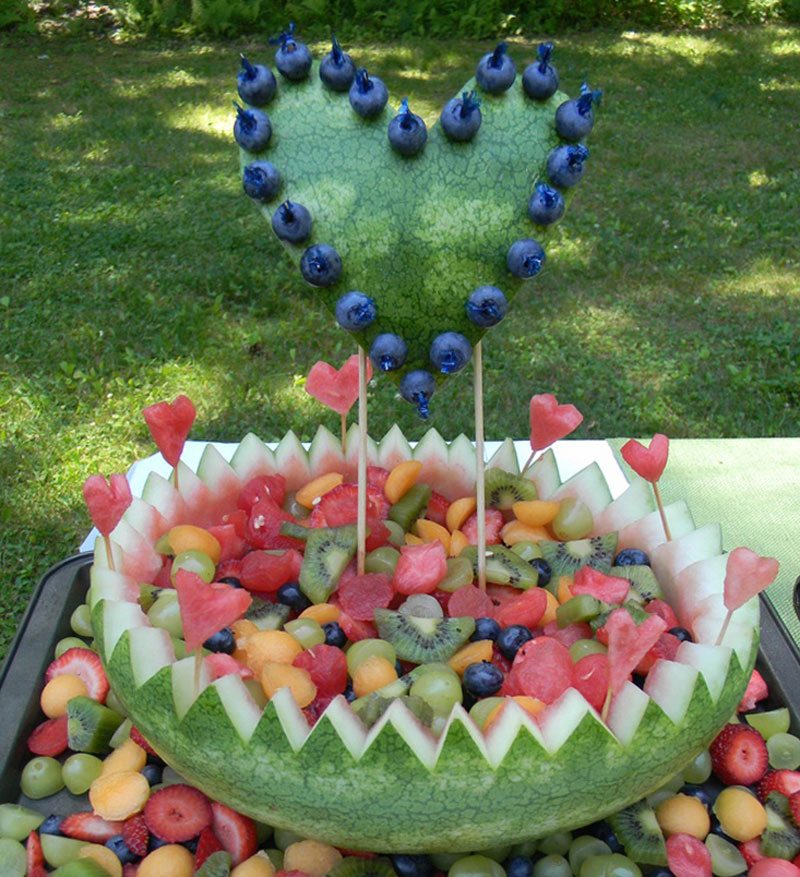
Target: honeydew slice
(393, 448)
(505, 458)
(291, 460)
(151, 650)
(631, 506)
(588, 485)
(668, 559)
(107, 584)
(161, 494)
(649, 531)
(253, 458)
(671, 686)
(325, 453)
(117, 617)
(242, 710)
(188, 683)
(545, 475)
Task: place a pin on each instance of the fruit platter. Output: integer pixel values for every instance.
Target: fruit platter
(373, 656)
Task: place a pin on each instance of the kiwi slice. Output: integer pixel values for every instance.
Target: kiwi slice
(565, 558)
(423, 639)
(503, 567)
(582, 607)
(328, 551)
(410, 506)
(637, 829)
(503, 489)
(266, 615)
(643, 580)
(148, 594)
(296, 531)
(218, 864)
(634, 609)
(781, 837)
(90, 725)
(355, 866)
(370, 708)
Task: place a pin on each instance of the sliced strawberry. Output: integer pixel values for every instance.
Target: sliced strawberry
(139, 740)
(739, 755)
(177, 813)
(86, 664)
(494, 524)
(665, 647)
(35, 856)
(136, 835)
(207, 844)
(262, 487)
(236, 833)
(437, 508)
(85, 825)
(49, 738)
(264, 527)
(787, 782)
(663, 610)
(420, 568)
(376, 477)
(327, 667)
(756, 690)
(265, 572)
(794, 806)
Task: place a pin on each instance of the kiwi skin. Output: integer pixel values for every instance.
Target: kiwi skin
(90, 725)
(422, 640)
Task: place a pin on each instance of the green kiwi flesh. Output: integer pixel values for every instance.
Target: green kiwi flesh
(410, 506)
(423, 639)
(504, 567)
(781, 838)
(565, 558)
(266, 615)
(643, 580)
(328, 551)
(90, 725)
(638, 831)
(503, 489)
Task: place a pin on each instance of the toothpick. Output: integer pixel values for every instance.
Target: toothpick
(175, 476)
(109, 552)
(528, 463)
(661, 512)
(362, 461)
(480, 491)
(724, 629)
(606, 704)
(344, 433)
(198, 666)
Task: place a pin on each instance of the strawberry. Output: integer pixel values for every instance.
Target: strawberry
(739, 755)
(86, 664)
(136, 835)
(177, 813)
(236, 833)
(494, 524)
(794, 806)
(35, 856)
(787, 782)
(85, 825)
(138, 739)
(756, 690)
(49, 738)
(207, 844)
(263, 528)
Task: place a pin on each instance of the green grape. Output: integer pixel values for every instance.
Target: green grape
(113, 702)
(583, 848)
(583, 647)
(306, 631)
(726, 860)
(422, 606)
(122, 734)
(556, 844)
(81, 620)
(298, 511)
(285, 838)
(770, 722)
(179, 646)
(552, 865)
(480, 710)
(527, 848)
(382, 560)
(80, 771)
(459, 574)
(13, 857)
(194, 561)
(784, 751)
(165, 613)
(17, 822)
(527, 550)
(170, 777)
(476, 866)
(699, 770)
(397, 535)
(276, 857)
(612, 865)
(367, 648)
(69, 642)
(499, 854)
(162, 545)
(442, 690)
(573, 521)
(41, 777)
(59, 850)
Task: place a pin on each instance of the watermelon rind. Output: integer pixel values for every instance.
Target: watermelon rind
(398, 788)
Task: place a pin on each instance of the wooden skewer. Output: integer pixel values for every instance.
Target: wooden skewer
(109, 552)
(344, 433)
(528, 463)
(362, 461)
(724, 628)
(480, 489)
(661, 512)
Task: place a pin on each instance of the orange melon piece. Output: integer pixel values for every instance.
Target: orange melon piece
(188, 537)
(532, 705)
(429, 531)
(473, 653)
(458, 512)
(401, 479)
(536, 512)
(516, 531)
(310, 494)
(458, 542)
(322, 613)
(275, 676)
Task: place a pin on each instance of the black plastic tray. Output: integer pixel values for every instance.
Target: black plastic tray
(64, 587)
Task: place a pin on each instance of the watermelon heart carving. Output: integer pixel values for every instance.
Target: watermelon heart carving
(416, 234)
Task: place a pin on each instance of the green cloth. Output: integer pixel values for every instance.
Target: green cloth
(752, 487)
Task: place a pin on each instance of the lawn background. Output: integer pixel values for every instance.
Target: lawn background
(133, 268)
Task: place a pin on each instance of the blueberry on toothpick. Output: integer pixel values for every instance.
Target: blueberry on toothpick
(461, 117)
(368, 94)
(388, 352)
(261, 180)
(540, 79)
(486, 306)
(291, 222)
(321, 265)
(565, 165)
(546, 205)
(575, 118)
(525, 258)
(496, 71)
(252, 129)
(337, 70)
(407, 132)
(355, 311)
(256, 83)
(292, 57)
(450, 352)
(417, 387)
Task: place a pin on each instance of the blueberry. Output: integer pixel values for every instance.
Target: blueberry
(631, 557)
(406, 865)
(546, 205)
(519, 866)
(511, 638)
(334, 635)
(321, 265)
(482, 679)
(368, 95)
(292, 222)
(232, 581)
(261, 180)
(388, 352)
(461, 117)
(349, 694)
(544, 570)
(450, 352)
(565, 165)
(682, 634)
(292, 57)
(525, 258)
(154, 842)
(120, 849)
(485, 628)
(291, 595)
(255, 83)
(575, 118)
(417, 387)
(153, 773)
(540, 79)
(702, 794)
(496, 72)
(252, 129)
(337, 70)
(487, 306)
(222, 641)
(191, 844)
(355, 311)
(51, 825)
(407, 132)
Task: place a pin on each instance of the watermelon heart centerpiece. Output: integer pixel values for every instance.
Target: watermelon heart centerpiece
(399, 785)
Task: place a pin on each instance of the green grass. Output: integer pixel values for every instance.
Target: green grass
(134, 268)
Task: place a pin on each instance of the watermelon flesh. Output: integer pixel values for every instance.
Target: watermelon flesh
(463, 790)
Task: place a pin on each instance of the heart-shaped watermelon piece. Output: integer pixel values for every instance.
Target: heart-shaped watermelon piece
(169, 424)
(551, 421)
(647, 462)
(336, 388)
(107, 500)
(746, 574)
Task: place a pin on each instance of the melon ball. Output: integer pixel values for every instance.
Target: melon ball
(59, 691)
(311, 856)
(741, 815)
(683, 814)
(171, 859)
